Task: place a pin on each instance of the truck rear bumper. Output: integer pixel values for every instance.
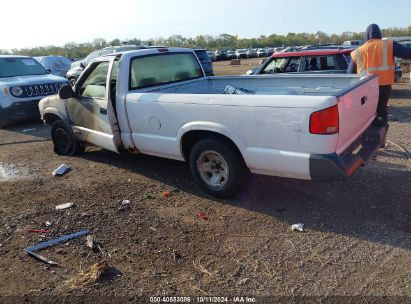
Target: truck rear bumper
(332, 167)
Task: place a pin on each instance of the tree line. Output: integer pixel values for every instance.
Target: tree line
(222, 41)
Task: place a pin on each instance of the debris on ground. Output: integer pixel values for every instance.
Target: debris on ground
(202, 216)
(90, 242)
(33, 249)
(65, 206)
(38, 230)
(166, 194)
(125, 205)
(88, 276)
(61, 170)
(176, 255)
(298, 227)
(29, 130)
(41, 258)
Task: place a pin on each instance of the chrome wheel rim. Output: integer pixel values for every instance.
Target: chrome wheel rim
(213, 169)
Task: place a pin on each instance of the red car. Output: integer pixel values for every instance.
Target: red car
(311, 61)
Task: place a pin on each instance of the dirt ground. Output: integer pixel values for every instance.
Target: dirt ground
(356, 246)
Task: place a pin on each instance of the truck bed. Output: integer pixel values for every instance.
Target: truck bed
(311, 85)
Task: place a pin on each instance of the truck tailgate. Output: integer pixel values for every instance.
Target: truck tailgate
(356, 107)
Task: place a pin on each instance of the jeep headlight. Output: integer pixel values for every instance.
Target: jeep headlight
(16, 91)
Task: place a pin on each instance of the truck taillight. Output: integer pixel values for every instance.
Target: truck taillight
(325, 121)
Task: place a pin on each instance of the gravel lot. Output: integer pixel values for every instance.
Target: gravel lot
(356, 245)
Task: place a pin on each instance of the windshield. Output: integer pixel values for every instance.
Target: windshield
(10, 67)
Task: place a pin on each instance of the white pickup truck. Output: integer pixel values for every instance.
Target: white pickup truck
(159, 102)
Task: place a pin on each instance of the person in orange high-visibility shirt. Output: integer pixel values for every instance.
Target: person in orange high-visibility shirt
(376, 56)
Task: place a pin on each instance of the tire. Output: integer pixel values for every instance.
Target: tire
(64, 140)
(217, 167)
(3, 120)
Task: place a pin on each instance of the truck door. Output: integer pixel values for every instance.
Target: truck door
(88, 110)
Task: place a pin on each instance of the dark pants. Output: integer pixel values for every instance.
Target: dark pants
(382, 109)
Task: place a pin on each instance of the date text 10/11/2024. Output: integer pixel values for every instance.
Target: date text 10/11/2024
(203, 299)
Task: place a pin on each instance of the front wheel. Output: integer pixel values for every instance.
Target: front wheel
(65, 143)
(217, 167)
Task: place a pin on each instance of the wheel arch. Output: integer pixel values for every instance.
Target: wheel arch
(194, 134)
(49, 117)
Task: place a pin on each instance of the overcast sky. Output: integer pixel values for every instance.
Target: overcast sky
(29, 23)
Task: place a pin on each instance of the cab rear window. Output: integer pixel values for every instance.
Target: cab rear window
(163, 68)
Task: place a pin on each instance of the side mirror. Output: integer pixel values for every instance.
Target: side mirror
(49, 70)
(249, 72)
(82, 65)
(66, 92)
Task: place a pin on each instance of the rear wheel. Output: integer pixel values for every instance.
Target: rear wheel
(217, 167)
(65, 143)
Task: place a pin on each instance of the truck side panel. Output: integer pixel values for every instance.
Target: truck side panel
(266, 136)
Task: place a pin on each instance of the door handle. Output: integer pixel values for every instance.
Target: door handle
(103, 111)
(363, 99)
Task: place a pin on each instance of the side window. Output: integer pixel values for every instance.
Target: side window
(293, 65)
(95, 84)
(312, 63)
(164, 68)
(328, 63)
(276, 65)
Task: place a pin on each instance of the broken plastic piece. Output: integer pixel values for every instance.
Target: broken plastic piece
(61, 170)
(38, 230)
(90, 242)
(298, 227)
(166, 194)
(64, 206)
(62, 239)
(202, 216)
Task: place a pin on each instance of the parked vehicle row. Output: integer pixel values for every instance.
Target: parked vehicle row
(241, 53)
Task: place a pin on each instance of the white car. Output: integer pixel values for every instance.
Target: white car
(261, 53)
(241, 53)
(23, 82)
